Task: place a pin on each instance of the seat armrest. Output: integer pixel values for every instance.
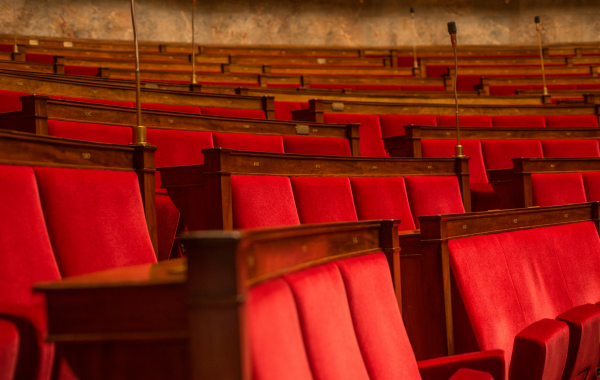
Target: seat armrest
(444, 368)
(540, 351)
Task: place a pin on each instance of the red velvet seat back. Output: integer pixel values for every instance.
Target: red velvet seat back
(327, 325)
(509, 90)
(233, 112)
(518, 121)
(471, 148)
(87, 71)
(100, 101)
(591, 183)
(371, 144)
(464, 121)
(570, 148)
(498, 154)
(254, 143)
(378, 87)
(90, 132)
(323, 199)
(26, 255)
(9, 100)
(324, 146)
(554, 189)
(171, 108)
(262, 201)
(382, 198)
(575, 121)
(432, 195)
(88, 228)
(393, 125)
(283, 109)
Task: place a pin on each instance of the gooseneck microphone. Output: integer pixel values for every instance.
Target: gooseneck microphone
(537, 27)
(458, 151)
(194, 81)
(412, 18)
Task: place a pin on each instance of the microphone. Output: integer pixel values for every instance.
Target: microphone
(412, 17)
(537, 27)
(458, 150)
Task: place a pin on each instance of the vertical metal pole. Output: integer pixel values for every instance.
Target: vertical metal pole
(412, 16)
(193, 46)
(537, 27)
(139, 131)
(15, 47)
(458, 146)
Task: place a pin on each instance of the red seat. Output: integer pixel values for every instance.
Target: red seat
(591, 183)
(378, 87)
(9, 350)
(171, 108)
(590, 86)
(576, 121)
(570, 148)
(423, 88)
(323, 199)
(324, 146)
(555, 87)
(432, 195)
(371, 144)
(283, 109)
(90, 132)
(382, 198)
(255, 143)
(41, 58)
(9, 100)
(82, 70)
(464, 121)
(262, 201)
(554, 189)
(509, 90)
(393, 125)
(233, 112)
(84, 215)
(498, 154)
(518, 121)
(99, 101)
(334, 86)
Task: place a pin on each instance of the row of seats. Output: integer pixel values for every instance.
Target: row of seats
(565, 188)
(512, 89)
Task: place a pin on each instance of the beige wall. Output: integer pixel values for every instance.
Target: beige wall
(309, 22)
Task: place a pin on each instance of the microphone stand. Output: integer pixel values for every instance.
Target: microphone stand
(193, 52)
(139, 131)
(412, 17)
(15, 47)
(458, 151)
(537, 27)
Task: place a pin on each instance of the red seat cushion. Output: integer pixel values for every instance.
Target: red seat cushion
(371, 144)
(378, 87)
(432, 195)
(171, 108)
(262, 201)
(276, 343)
(575, 121)
(555, 87)
(9, 350)
(471, 148)
(382, 198)
(327, 326)
(570, 148)
(518, 121)
(85, 219)
(376, 318)
(498, 154)
(283, 109)
(464, 121)
(509, 90)
(591, 182)
(82, 70)
(323, 199)
(233, 112)
(334, 86)
(393, 125)
(554, 189)
(325, 146)
(590, 86)
(253, 143)
(9, 100)
(111, 134)
(41, 58)
(99, 101)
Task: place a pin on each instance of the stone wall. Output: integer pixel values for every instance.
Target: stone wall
(309, 22)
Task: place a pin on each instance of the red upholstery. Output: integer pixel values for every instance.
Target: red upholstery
(334, 86)
(591, 86)
(82, 70)
(316, 145)
(376, 318)
(85, 219)
(518, 121)
(26, 258)
(253, 143)
(498, 154)
(9, 350)
(283, 109)
(465, 121)
(432, 195)
(90, 132)
(555, 87)
(371, 144)
(100, 101)
(41, 58)
(591, 182)
(554, 189)
(262, 201)
(167, 219)
(378, 87)
(423, 88)
(491, 361)
(393, 125)
(233, 112)
(570, 148)
(9, 100)
(171, 108)
(509, 90)
(436, 71)
(323, 199)
(471, 148)
(327, 326)
(544, 342)
(471, 374)
(576, 121)
(382, 198)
